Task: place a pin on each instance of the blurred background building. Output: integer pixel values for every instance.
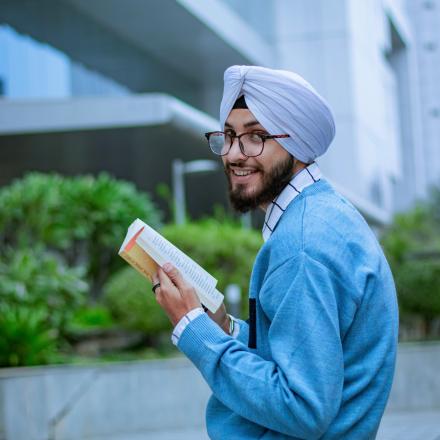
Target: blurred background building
(128, 86)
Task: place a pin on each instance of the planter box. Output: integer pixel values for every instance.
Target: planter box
(416, 385)
(161, 399)
(105, 401)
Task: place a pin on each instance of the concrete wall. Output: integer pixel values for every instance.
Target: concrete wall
(417, 381)
(425, 18)
(361, 57)
(155, 399)
(312, 39)
(111, 401)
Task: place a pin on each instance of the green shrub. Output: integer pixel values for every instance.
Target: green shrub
(418, 287)
(83, 218)
(24, 336)
(32, 278)
(128, 296)
(412, 246)
(96, 316)
(410, 232)
(224, 248)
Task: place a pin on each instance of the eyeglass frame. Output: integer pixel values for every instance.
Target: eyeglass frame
(240, 144)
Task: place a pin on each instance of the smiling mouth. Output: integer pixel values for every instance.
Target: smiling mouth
(242, 173)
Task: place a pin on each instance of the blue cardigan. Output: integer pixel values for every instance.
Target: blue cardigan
(326, 332)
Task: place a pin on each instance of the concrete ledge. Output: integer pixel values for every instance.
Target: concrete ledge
(163, 399)
(57, 115)
(110, 401)
(416, 383)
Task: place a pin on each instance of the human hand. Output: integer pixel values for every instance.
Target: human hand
(174, 294)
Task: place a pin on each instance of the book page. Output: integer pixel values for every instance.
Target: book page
(162, 251)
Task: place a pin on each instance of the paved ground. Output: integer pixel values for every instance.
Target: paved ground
(193, 434)
(395, 426)
(410, 426)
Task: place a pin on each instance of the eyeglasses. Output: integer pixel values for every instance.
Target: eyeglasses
(251, 144)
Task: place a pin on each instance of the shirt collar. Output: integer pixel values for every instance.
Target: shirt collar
(299, 181)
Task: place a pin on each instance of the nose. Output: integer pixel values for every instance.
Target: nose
(235, 154)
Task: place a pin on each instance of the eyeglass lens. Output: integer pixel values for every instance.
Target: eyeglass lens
(251, 143)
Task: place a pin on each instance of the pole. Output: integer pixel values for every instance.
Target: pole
(179, 191)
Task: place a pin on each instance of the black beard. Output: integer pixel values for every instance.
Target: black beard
(274, 182)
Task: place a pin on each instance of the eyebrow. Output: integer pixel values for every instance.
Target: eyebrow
(246, 125)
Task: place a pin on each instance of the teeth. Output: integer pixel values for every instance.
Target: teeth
(242, 173)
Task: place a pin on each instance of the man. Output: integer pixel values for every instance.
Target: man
(316, 358)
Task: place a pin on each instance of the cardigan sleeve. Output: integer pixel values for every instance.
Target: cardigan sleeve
(298, 392)
(243, 332)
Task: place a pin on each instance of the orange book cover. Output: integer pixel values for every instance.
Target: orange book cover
(138, 258)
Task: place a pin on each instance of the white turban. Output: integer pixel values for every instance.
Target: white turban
(283, 103)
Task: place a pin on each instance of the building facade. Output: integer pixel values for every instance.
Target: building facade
(129, 86)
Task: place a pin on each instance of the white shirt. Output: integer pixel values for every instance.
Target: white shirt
(190, 316)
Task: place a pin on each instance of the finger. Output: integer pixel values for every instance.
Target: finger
(155, 279)
(175, 276)
(155, 288)
(165, 281)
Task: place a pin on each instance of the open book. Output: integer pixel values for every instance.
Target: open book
(145, 249)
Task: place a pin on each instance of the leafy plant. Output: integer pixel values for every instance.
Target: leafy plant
(128, 296)
(411, 232)
(418, 283)
(34, 279)
(24, 336)
(412, 245)
(96, 316)
(81, 218)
